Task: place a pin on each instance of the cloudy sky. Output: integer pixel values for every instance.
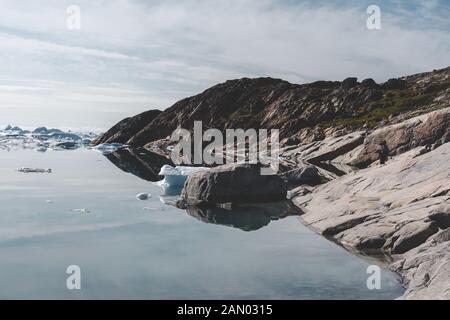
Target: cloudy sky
(134, 55)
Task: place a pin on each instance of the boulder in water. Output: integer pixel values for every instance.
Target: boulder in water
(235, 183)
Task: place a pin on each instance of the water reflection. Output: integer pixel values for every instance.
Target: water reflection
(130, 253)
(139, 162)
(248, 217)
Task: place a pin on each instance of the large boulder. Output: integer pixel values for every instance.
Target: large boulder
(235, 183)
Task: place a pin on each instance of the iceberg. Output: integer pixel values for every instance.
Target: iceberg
(177, 176)
(143, 196)
(82, 210)
(41, 139)
(34, 170)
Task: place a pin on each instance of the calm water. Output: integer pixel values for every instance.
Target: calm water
(128, 248)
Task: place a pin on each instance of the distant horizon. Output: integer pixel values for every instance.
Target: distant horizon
(63, 128)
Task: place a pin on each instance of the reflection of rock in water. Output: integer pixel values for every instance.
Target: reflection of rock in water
(245, 217)
(141, 163)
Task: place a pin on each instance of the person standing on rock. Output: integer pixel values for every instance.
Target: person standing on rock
(383, 152)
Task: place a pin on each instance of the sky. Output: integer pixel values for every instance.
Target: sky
(134, 55)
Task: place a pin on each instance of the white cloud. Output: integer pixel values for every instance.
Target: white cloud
(171, 49)
(26, 45)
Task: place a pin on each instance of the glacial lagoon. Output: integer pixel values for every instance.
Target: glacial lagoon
(85, 213)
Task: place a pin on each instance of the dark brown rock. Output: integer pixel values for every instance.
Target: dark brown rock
(299, 111)
(369, 83)
(394, 84)
(349, 83)
(127, 128)
(233, 183)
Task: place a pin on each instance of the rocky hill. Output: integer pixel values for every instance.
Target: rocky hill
(399, 208)
(303, 113)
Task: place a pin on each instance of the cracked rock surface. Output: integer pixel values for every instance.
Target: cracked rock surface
(401, 208)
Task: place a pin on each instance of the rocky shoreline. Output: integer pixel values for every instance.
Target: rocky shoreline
(330, 140)
(401, 208)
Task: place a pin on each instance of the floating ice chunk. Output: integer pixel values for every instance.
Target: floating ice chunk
(13, 132)
(49, 201)
(143, 196)
(45, 131)
(41, 139)
(64, 136)
(169, 190)
(83, 210)
(177, 176)
(34, 170)
(86, 141)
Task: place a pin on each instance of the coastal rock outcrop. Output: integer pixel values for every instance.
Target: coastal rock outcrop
(303, 113)
(400, 208)
(127, 128)
(426, 269)
(235, 183)
(431, 129)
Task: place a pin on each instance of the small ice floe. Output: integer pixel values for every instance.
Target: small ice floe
(177, 176)
(49, 201)
(34, 170)
(86, 141)
(143, 196)
(83, 211)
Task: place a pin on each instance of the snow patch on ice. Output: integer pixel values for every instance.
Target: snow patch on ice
(177, 176)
